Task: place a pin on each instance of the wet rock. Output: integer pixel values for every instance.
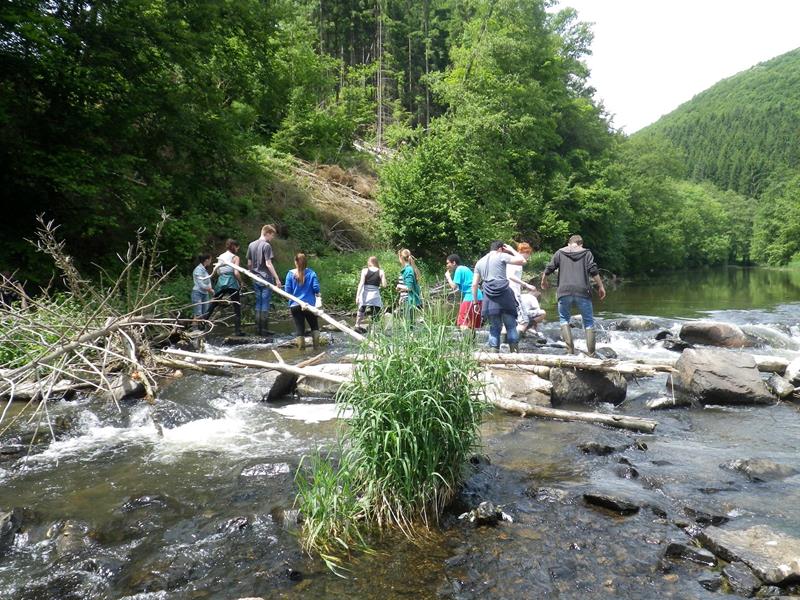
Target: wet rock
(760, 469)
(235, 524)
(596, 448)
(124, 387)
(10, 523)
(764, 335)
(689, 552)
(705, 517)
(69, 537)
(663, 335)
(548, 495)
(714, 333)
(626, 472)
(486, 513)
(317, 387)
(265, 471)
(572, 386)
(12, 448)
(792, 373)
(720, 377)
(612, 503)
(606, 352)
(636, 324)
(741, 579)
(774, 556)
(676, 345)
(479, 460)
(666, 402)
(779, 386)
(712, 583)
(769, 591)
(522, 386)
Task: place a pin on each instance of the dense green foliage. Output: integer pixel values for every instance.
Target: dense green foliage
(415, 407)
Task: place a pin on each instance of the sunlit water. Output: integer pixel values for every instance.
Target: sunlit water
(187, 498)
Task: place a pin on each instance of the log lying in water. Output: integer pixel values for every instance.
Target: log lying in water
(619, 421)
(576, 362)
(765, 363)
(259, 364)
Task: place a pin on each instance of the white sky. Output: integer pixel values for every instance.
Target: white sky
(650, 56)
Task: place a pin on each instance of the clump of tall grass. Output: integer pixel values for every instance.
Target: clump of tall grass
(416, 406)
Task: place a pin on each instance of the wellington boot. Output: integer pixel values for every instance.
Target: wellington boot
(590, 342)
(566, 335)
(513, 347)
(315, 338)
(259, 323)
(300, 340)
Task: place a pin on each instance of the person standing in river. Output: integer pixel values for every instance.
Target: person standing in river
(499, 303)
(368, 294)
(408, 285)
(259, 260)
(303, 284)
(459, 278)
(576, 272)
(229, 284)
(202, 289)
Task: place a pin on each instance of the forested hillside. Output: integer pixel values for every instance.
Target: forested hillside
(475, 115)
(743, 134)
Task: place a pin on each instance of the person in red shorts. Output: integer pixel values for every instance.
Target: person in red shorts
(459, 278)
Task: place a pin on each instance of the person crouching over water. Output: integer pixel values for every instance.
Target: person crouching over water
(408, 284)
(302, 283)
(368, 295)
(576, 272)
(499, 303)
(459, 278)
(229, 284)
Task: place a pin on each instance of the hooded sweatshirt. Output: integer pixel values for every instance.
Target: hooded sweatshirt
(576, 267)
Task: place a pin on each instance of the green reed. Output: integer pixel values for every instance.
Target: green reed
(415, 404)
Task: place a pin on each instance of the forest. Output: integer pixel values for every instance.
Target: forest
(475, 115)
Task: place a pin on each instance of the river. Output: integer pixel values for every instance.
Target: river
(192, 497)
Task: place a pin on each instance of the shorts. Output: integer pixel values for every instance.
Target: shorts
(469, 315)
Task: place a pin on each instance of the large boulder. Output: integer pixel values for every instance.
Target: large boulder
(714, 333)
(792, 373)
(720, 377)
(576, 386)
(522, 386)
(773, 556)
(635, 324)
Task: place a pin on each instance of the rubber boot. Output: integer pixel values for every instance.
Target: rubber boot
(300, 340)
(259, 325)
(590, 342)
(513, 347)
(566, 335)
(315, 338)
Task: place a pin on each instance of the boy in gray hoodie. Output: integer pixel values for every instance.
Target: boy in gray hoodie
(576, 270)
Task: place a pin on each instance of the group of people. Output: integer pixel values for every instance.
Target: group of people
(493, 291)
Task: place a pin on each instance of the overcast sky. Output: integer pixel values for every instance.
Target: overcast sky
(650, 56)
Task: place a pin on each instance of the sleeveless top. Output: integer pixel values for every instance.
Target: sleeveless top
(371, 292)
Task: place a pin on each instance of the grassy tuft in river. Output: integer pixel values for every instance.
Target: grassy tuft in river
(415, 405)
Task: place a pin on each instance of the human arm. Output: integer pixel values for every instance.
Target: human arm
(601, 290)
(516, 257)
(449, 279)
(550, 268)
(476, 280)
(527, 286)
(271, 269)
(360, 286)
(235, 260)
(383, 279)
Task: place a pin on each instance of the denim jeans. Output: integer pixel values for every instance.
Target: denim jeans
(496, 323)
(199, 303)
(263, 295)
(584, 305)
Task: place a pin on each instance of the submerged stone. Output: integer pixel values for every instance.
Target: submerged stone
(615, 504)
(760, 469)
(571, 386)
(596, 448)
(690, 552)
(773, 556)
(741, 579)
(636, 324)
(705, 517)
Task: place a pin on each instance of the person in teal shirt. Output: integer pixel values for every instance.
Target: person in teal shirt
(408, 284)
(459, 278)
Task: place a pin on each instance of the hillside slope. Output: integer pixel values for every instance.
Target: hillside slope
(741, 131)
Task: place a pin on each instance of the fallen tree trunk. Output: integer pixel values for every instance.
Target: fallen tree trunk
(765, 363)
(312, 309)
(576, 362)
(259, 364)
(619, 421)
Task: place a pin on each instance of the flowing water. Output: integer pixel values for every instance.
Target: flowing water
(192, 497)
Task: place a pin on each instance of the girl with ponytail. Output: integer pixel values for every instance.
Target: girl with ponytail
(408, 283)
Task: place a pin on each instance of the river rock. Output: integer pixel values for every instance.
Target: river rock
(779, 386)
(635, 324)
(714, 333)
(760, 469)
(596, 448)
(705, 517)
(312, 386)
(741, 579)
(522, 386)
(676, 345)
(613, 503)
(720, 377)
(774, 556)
(10, 523)
(792, 373)
(764, 335)
(69, 537)
(571, 386)
(124, 387)
(689, 552)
